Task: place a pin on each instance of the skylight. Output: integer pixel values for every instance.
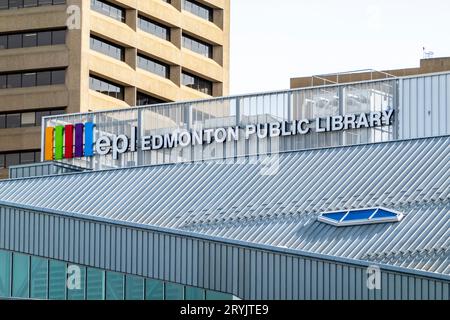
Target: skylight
(355, 217)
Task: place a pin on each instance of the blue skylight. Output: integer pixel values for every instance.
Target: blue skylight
(360, 217)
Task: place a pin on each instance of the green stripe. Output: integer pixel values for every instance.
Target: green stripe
(59, 134)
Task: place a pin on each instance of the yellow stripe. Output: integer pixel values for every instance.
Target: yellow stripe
(49, 143)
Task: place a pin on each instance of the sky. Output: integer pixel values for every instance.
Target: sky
(275, 40)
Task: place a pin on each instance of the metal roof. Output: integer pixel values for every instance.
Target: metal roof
(239, 200)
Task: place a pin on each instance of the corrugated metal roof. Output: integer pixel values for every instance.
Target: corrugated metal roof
(239, 201)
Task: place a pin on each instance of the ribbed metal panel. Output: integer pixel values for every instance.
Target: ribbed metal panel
(238, 201)
(424, 106)
(249, 273)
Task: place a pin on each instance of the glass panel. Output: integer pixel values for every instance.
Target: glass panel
(14, 41)
(3, 4)
(27, 157)
(29, 40)
(134, 288)
(14, 80)
(75, 286)
(12, 159)
(30, 3)
(39, 116)
(3, 42)
(3, 81)
(114, 286)
(21, 269)
(59, 37)
(384, 214)
(29, 80)
(195, 293)
(154, 289)
(2, 162)
(337, 216)
(39, 278)
(58, 77)
(28, 119)
(2, 121)
(57, 280)
(359, 215)
(95, 284)
(5, 273)
(13, 120)
(174, 291)
(214, 295)
(43, 78)
(45, 38)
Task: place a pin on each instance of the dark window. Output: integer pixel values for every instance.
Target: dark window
(106, 87)
(30, 3)
(2, 121)
(197, 83)
(27, 157)
(108, 9)
(39, 115)
(2, 81)
(13, 120)
(58, 77)
(3, 4)
(153, 66)
(3, 42)
(14, 41)
(12, 159)
(29, 40)
(145, 100)
(108, 48)
(197, 46)
(154, 28)
(45, 38)
(43, 78)
(198, 9)
(58, 37)
(14, 80)
(29, 79)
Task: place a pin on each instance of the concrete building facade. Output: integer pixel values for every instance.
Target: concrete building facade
(67, 56)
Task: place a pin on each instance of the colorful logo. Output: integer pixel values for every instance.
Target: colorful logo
(70, 141)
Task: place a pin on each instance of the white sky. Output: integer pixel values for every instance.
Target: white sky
(274, 40)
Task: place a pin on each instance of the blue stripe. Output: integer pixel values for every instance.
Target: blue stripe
(89, 139)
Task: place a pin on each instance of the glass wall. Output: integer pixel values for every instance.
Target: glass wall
(28, 277)
(309, 103)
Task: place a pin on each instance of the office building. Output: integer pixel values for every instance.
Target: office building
(68, 56)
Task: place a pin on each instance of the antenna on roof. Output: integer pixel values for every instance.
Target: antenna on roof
(427, 54)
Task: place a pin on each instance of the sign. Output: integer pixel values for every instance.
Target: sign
(119, 144)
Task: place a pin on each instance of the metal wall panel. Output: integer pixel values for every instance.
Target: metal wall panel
(252, 273)
(424, 106)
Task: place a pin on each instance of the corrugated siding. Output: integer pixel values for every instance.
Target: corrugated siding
(424, 106)
(243, 271)
(239, 201)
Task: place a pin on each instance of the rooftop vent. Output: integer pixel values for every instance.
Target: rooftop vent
(356, 217)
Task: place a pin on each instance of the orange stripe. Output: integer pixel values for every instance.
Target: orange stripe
(49, 143)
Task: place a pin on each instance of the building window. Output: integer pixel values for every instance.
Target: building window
(32, 79)
(355, 217)
(146, 100)
(18, 4)
(108, 48)
(108, 9)
(47, 279)
(153, 66)
(27, 119)
(9, 159)
(106, 87)
(197, 83)
(32, 39)
(198, 9)
(197, 46)
(154, 28)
